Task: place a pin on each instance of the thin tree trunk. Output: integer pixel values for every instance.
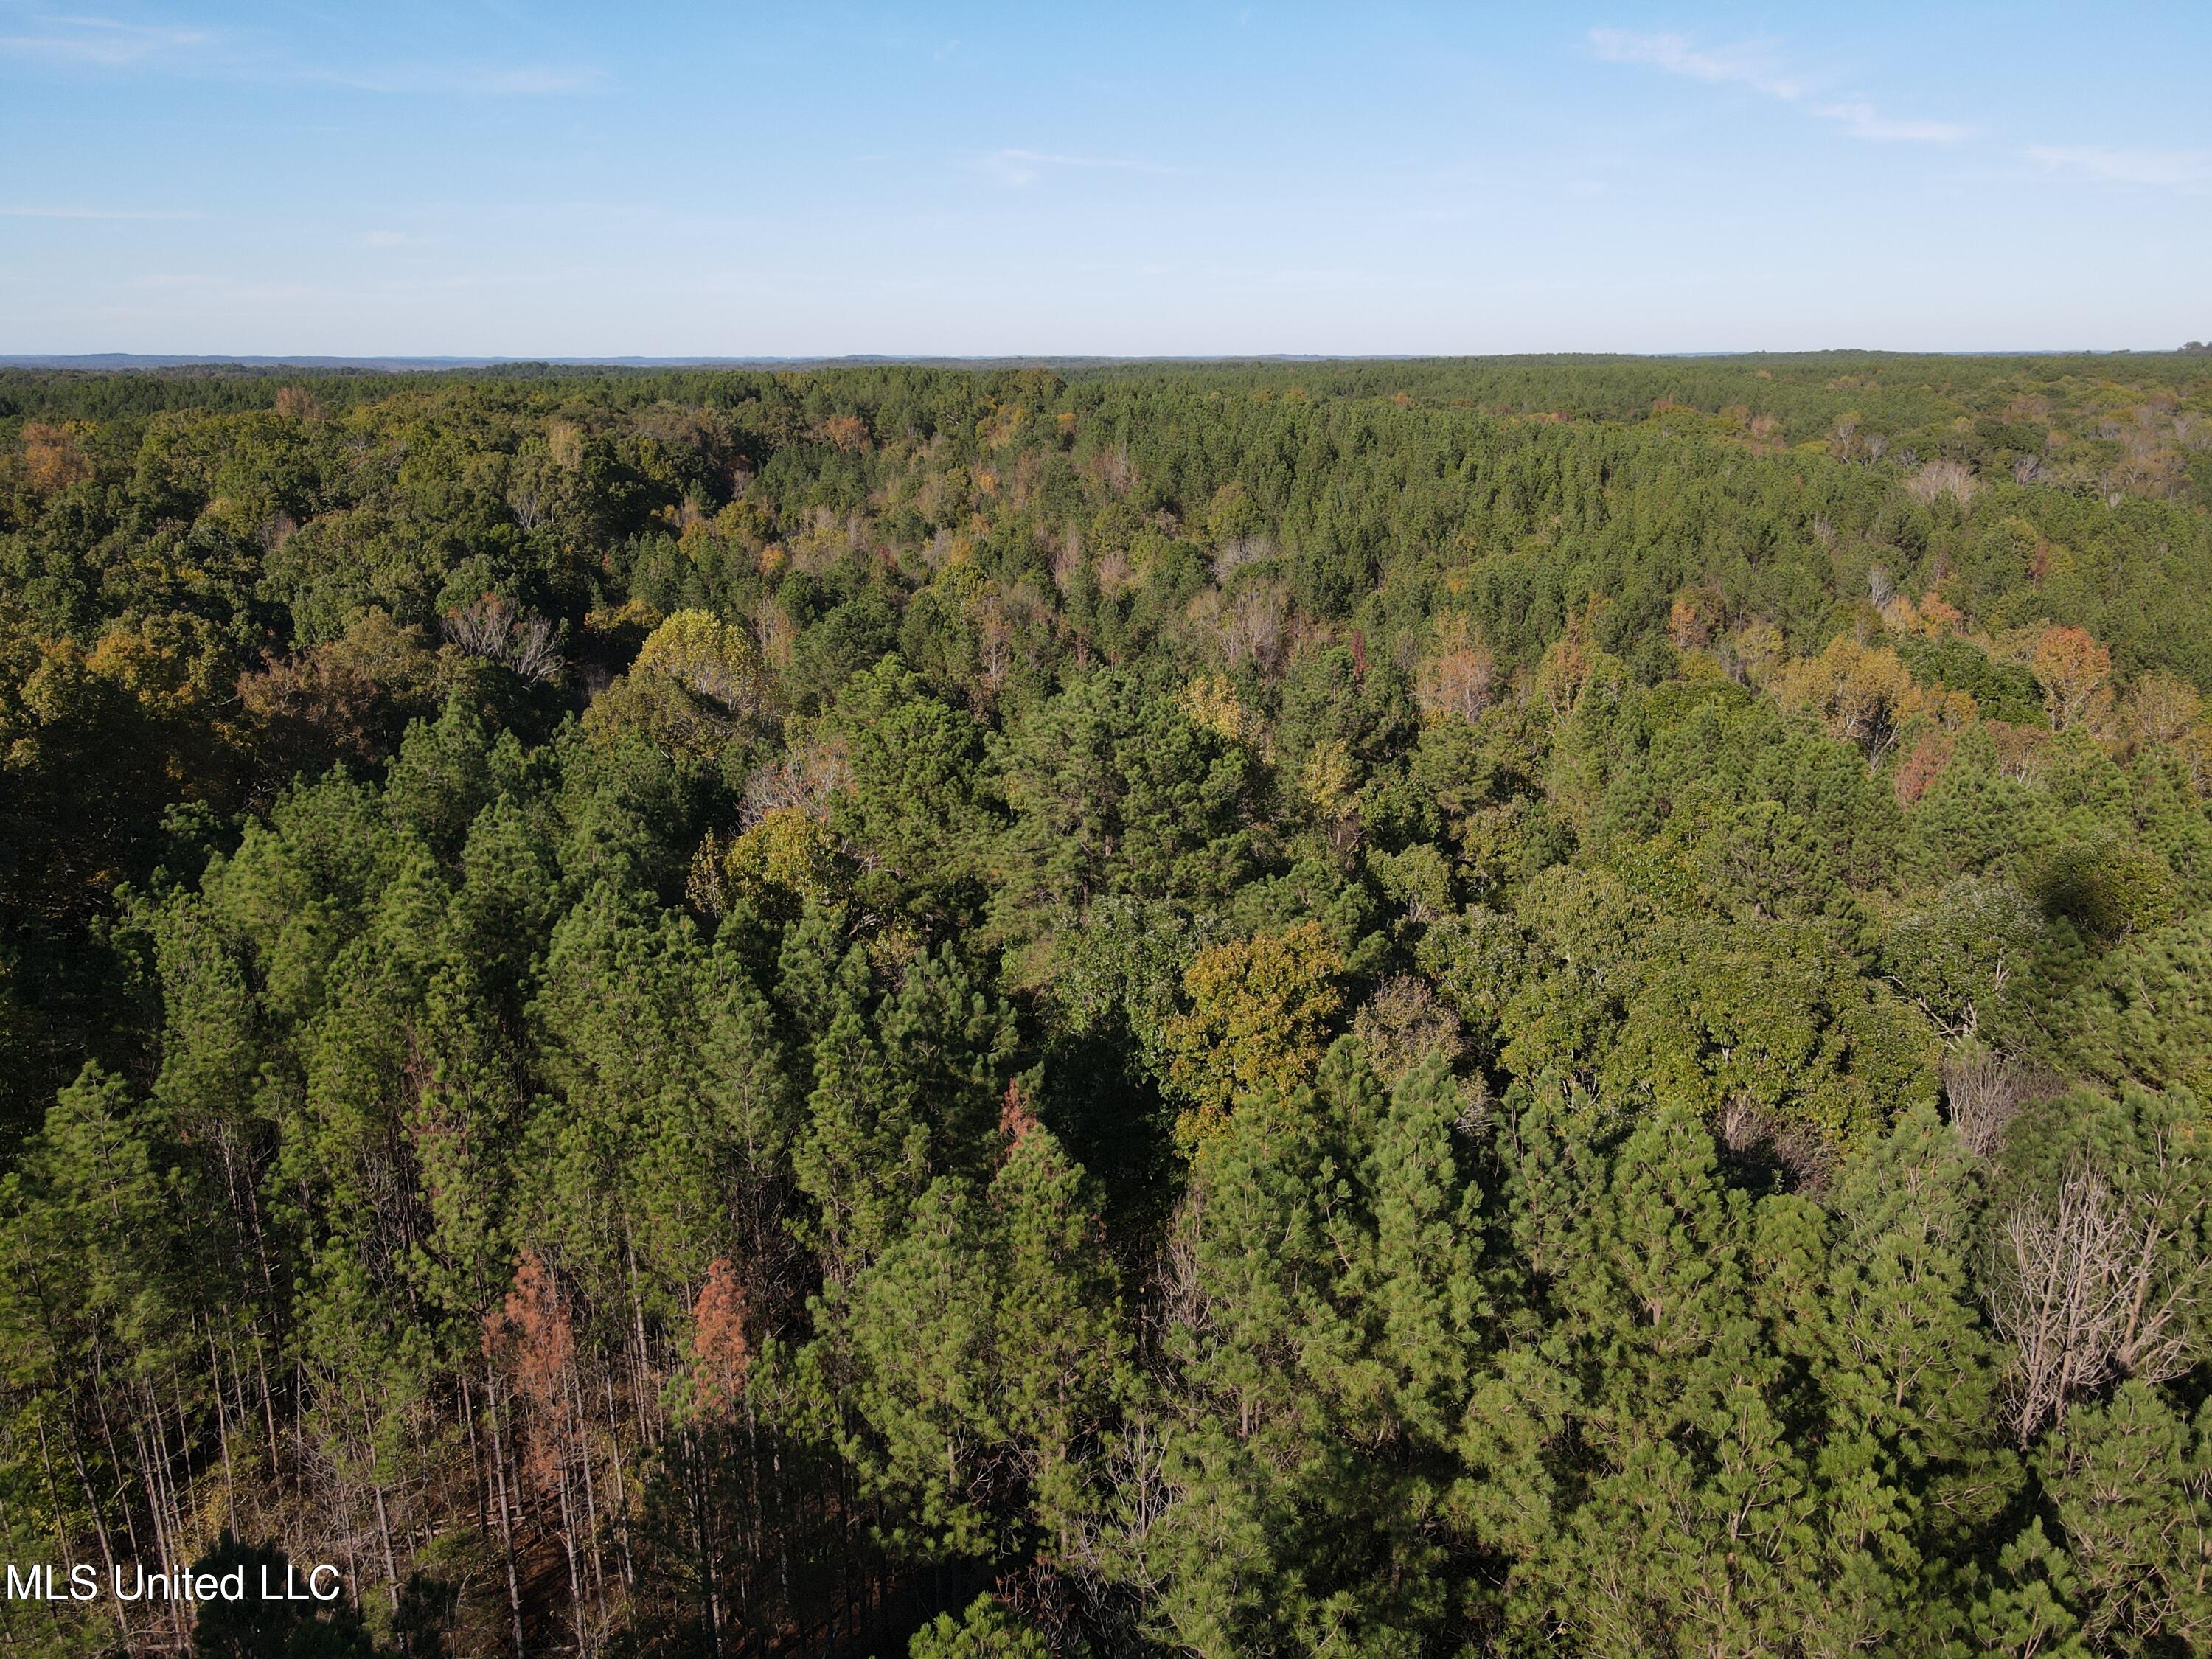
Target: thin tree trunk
(475, 1450)
(622, 1494)
(223, 1432)
(61, 1530)
(506, 1522)
(269, 1409)
(575, 1573)
(383, 1515)
(584, 1454)
(114, 1454)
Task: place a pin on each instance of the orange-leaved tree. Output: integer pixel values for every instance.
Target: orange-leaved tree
(721, 1358)
(2072, 670)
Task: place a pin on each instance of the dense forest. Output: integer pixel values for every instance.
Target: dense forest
(1391, 1008)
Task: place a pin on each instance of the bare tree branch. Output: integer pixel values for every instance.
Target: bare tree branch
(2085, 1294)
(499, 630)
(1985, 1090)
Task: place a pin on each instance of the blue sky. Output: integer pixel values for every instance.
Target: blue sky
(507, 178)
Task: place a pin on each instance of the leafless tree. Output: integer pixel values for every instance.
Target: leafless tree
(2086, 1292)
(1114, 469)
(1067, 560)
(804, 779)
(480, 628)
(1459, 682)
(1402, 1023)
(1746, 1128)
(297, 403)
(1108, 1545)
(1179, 1295)
(500, 631)
(528, 502)
(1953, 478)
(1255, 626)
(275, 530)
(1238, 551)
(532, 645)
(995, 646)
(1985, 1090)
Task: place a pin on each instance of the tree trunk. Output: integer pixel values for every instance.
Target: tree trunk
(506, 1520)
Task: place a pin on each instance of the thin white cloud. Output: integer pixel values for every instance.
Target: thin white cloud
(2170, 169)
(1017, 167)
(1865, 121)
(531, 83)
(96, 213)
(104, 43)
(99, 42)
(1756, 64)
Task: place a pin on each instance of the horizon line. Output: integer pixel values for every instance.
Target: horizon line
(128, 361)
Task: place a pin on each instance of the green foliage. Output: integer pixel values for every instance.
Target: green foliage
(985, 1344)
(2128, 1480)
(1260, 1010)
(1768, 1019)
(1956, 958)
(913, 816)
(1281, 1007)
(1116, 790)
(986, 1629)
(2147, 1014)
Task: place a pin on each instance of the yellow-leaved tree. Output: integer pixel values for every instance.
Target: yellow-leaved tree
(1258, 1023)
(697, 681)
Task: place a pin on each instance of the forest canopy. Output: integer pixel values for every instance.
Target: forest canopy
(1394, 1007)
